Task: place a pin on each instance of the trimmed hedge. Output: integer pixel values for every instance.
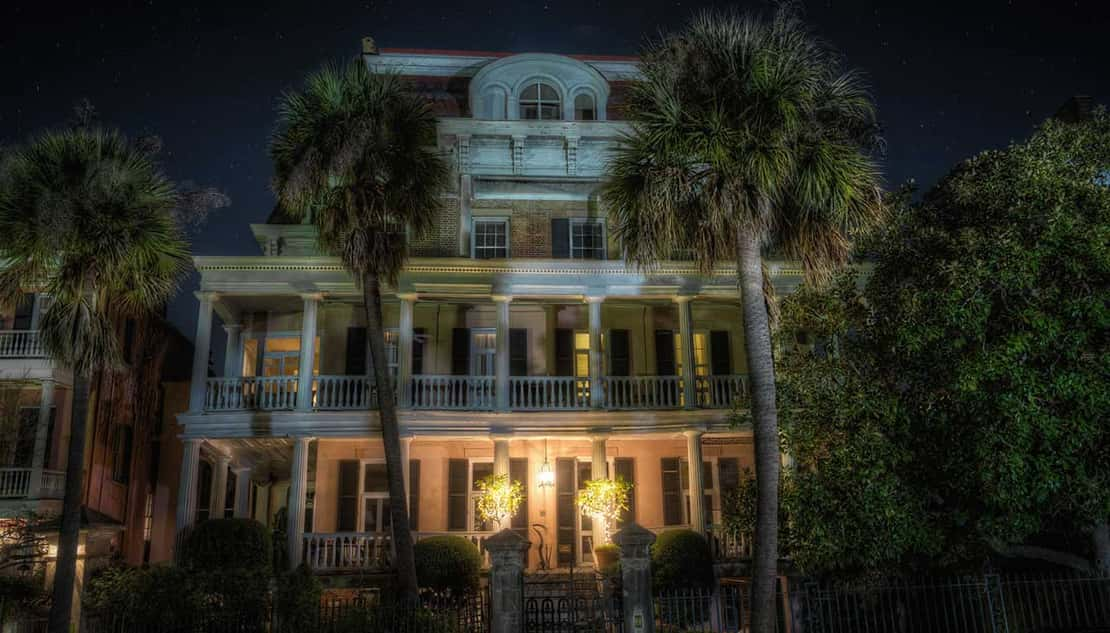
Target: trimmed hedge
(448, 563)
(227, 544)
(681, 558)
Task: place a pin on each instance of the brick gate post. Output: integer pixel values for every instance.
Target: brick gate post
(635, 543)
(507, 552)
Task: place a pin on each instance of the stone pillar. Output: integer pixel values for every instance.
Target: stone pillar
(218, 498)
(596, 399)
(187, 491)
(308, 352)
(404, 345)
(635, 543)
(233, 357)
(42, 434)
(406, 446)
(697, 491)
(507, 552)
(686, 335)
(501, 387)
(201, 344)
(599, 464)
(242, 492)
(298, 487)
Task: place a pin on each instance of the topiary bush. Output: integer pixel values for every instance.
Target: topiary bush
(228, 544)
(448, 563)
(681, 558)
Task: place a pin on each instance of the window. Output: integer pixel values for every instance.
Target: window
(584, 107)
(587, 239)
(708, 489)
(375, 515)
(540, 101)
(490, 239)
(121, 453)
(478, 471)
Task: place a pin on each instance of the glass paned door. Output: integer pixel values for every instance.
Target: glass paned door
(483, 352)
(582, 365)
(585, 523)
(375, 516)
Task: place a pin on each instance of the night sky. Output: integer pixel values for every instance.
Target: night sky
(950, 77)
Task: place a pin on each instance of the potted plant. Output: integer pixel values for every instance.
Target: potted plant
(603, 500)
(499, 500)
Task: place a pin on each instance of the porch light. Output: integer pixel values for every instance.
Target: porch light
(546, 476)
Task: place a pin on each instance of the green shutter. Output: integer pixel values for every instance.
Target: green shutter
(664, 353)
(414, 494)
(625, 468)
(518, 352)
(672, 491)
(456, 493)
(720, 353)
(356, 351)
(565, 514)
(560, 238)
(619, 363)
(460, 351)
(518, 472)
(564, 352)
(346, 519)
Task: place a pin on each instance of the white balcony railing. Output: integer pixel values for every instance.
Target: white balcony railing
(537, 393)
(473, 393)
(642, 392)
(345, 393)
(719, 392)
(250, 393)
(21, 344)
(347, 551)
(15, 483)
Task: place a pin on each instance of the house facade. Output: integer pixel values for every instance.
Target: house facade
(520, 343)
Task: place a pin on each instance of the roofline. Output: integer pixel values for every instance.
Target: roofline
(463, 53)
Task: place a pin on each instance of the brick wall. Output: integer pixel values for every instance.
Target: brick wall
(442, 240)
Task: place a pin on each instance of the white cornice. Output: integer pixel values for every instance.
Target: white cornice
(432, 64)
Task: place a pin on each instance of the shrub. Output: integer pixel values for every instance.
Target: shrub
(681, 558)
(156, 596)
(448, 563)
(298, 600)
(608, 559)
(224, 544)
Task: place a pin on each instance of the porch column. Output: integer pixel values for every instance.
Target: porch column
(242, 492)
(308, 352)
(201, 344)
(686, 335)
(599, 464)
(218, 497)
(500, 455)
(298, 486)
(233, 359)
(697, 491)
(404, 352)
(187, 491)
(42, 434)
(406, 446)
(594, 303)
(501, 387)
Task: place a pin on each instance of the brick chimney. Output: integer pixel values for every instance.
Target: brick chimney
(1076, 109)
(369, 46)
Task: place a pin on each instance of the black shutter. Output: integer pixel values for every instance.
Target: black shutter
(460, 351)
(564, 352)
(560, 238)
(672, 492)
(204, 491)
(418, 340)
(518, 352)
(719, 353)
(356, 351)
(664, 353)
(518, 472)
(728, 473)
(456, 493)
(565, 512)
(346, 518)
(414, 494)
(618, 353)
(23, 312)
(624, 468)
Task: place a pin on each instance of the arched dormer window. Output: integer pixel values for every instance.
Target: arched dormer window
(540, 101)
(584, 108)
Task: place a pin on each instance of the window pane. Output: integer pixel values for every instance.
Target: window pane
(584, 107)
(481, 471)
(547, 93)
(587, 240)
(531, 92)
(283, 344)
(491, 239)
(375, 478)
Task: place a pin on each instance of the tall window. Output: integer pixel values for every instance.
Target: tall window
(478, 471)
(490, 238)
(587, 239)
(121, 453)
(375, 498)
(540, 101)
(584, 109)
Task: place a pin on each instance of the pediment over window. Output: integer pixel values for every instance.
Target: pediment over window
(539, 86)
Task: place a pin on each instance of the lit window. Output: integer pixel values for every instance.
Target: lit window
(478, 472)
(490, 239)
(540, 101)
(587, 240)
(584, 107)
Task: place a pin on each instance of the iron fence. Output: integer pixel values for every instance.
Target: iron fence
(723, 608)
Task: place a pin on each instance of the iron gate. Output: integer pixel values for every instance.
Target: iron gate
(570, 602)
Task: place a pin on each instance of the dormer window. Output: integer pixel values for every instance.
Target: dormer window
(584, 109)
(540, 101)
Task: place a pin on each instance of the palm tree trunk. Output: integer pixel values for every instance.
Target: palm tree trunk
(387, 408)
(761, 376)
(65, 572)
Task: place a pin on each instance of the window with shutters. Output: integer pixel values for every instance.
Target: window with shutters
(518, 352)
(709, 490)
(348, 493)
(489, 238)
(625, 468)
(478, 471)
(374, 496)
(276, 354)
(120, 441)
(701, 353)
(587, 239)
(672, 492)
(458, 473)
(619, 361)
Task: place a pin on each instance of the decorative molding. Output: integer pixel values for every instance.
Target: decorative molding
(463, 142)
(518, 154)
(572, 155)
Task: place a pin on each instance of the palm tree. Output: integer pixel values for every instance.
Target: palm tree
(354, 152)
(87, 217)
(747, 134)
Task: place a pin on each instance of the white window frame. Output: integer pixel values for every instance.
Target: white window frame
(262, 337)
(475, 350)
(582, 222)
(474, 235)
(472, 494)
(363, 495)
(539, 101)
(714, 493)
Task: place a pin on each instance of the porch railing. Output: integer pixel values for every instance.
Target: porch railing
(21, 344)
(250, 393)
(345, 393)
(473, 393)
(719, 392)
(16, 483)
(536, 393)
(642, 392)
(347, 551)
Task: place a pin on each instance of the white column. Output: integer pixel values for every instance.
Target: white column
(697, 492)
(406, 445)
(242, 492)
(298, 487)
(686, 335)
(404, 351)
(42, 434)
(500, 455)
(218, 497)
(187, 490)
(595, 350)
(233, 358)
(501, 387)
(599, 466)
(308, 352)
(201, 344)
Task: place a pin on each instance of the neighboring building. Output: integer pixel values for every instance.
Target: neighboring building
(520, 341)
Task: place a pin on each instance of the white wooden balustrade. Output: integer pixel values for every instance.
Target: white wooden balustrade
(251, 392)
(347, 551)
(345, 393)
(474, 393)
(53, 484)
(16, 483)
(538, 393)
(719, 392)
(21, 344)
(642, 392)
